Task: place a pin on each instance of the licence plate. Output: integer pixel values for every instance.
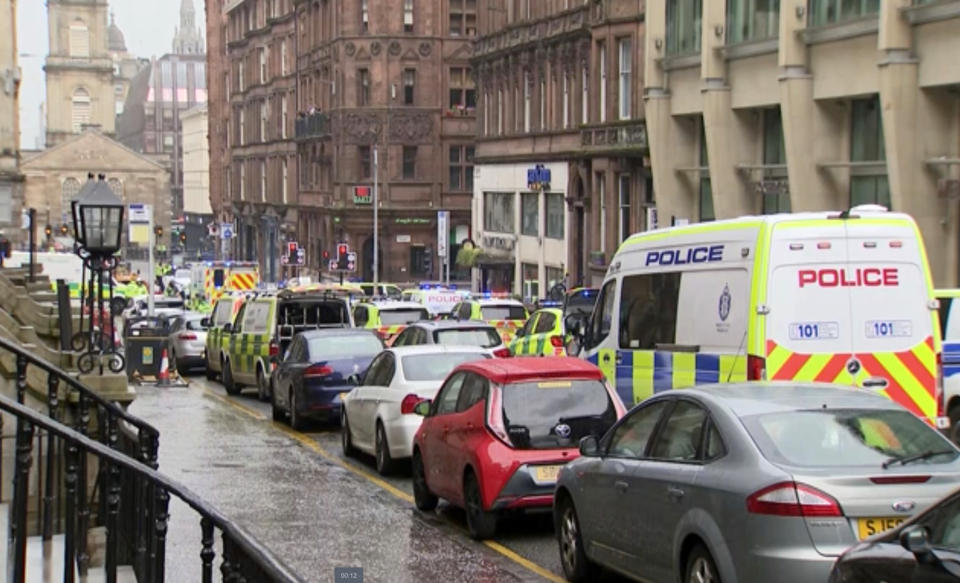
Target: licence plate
(343, 396)
(871, 526)
(546, 473)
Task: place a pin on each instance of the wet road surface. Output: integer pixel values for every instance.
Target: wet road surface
(314, 509)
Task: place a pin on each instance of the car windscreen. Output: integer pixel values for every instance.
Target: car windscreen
(846, 437)
(556, 413)
(313, 313)
(435, 367)
(334, 346)
(582, 301)
(503, 312)
(223, 313)
(195, 324)
(482, 337)
(404, 316)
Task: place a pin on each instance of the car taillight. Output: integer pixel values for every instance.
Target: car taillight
(318, 370)
(556, 341)
(274, 349)
(756, 368)
(792, 499)
(187, 337)
(502, 352)
(409, 403)
(495, 416)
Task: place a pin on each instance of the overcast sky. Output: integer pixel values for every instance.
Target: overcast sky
(147, 26)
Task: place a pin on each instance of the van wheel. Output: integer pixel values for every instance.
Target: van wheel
(954, 414)
(232, 388)
(481, 523)
(263, 388)
(424, 500)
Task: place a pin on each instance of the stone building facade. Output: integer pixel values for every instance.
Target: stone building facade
(560, 96)
(11, 178)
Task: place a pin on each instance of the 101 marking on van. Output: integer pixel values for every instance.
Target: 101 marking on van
(705, 254)
(847, 277)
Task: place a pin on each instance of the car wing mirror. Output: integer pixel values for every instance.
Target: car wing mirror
(915, 539)
(205, 322)
(227, 328)
(589, 446)
(422, 408)
(354, 379)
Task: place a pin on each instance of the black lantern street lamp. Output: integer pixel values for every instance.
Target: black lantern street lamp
(98, 226)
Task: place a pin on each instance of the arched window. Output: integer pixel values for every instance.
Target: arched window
(79, 39)
(116, 186)
(80, 114)
(69, 190)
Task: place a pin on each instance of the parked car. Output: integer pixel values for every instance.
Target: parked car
(735, 482)
(923, 549)
(451, 333)
(187, 340)
(317, 370)
(378, 417)
(499, 431)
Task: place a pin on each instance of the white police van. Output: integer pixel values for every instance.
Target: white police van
(832, 297)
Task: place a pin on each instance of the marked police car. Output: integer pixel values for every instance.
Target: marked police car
(505, 313)
(842, 297)
(438, 300)
(542, 335)
(387, 317)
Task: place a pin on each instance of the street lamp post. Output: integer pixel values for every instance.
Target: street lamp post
(376, 230)
(98, 225)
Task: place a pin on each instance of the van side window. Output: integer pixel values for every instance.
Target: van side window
(218, 278)
(648, 310)
(945, 304)
(602, 314)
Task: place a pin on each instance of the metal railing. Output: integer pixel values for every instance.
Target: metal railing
(628, 134)
(128, 496)
(313, 125)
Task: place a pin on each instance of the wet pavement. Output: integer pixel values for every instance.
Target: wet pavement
(314, 509)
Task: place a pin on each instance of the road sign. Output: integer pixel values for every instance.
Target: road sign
(443, 232)
(226, 230)
(139, 223)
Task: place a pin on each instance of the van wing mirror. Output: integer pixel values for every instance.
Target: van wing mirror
(205, 322)
(227, 328)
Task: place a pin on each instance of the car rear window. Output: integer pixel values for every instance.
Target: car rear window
(435, 367)
(195, 324)
(313, 313)
(537, 414)
(331, 346)
(503, 313)
(846, 437)
(405, 316)
(482, 337)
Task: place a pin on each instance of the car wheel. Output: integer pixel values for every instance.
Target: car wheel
(954, 414)
(228, 384)
(209, 372)
(385, 463)
(296, 419)
(346, 441)
(576, 566)
(275, 411)
(700, 567)
(263, 391)
(422, 497)
(481, 523)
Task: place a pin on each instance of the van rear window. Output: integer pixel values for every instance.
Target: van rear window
(313, 313)
(648, 310)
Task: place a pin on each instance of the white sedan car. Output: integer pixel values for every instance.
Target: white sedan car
(377, 415)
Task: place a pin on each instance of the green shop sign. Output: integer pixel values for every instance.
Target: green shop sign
(411, 221)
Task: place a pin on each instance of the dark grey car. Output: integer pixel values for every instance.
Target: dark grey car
(736, 483)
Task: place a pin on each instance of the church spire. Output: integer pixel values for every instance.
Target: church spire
(187, 39)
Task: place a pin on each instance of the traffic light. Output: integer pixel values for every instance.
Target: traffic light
(292, 249)
(48, 230)
(64, 229)
(342, 251)
(428, 261)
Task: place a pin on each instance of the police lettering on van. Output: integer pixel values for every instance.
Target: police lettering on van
(829, 297)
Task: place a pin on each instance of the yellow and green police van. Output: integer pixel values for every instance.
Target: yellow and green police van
(263, 329)
(842, 297)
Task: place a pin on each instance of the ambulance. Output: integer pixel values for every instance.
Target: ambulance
(843, 297)
(211, 279)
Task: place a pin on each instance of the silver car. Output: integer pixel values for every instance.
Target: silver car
(188, 339)
(749, 482)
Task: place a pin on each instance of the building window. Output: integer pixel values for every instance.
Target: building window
(824, 12)
(486, 113)
(364, 158)
(283, 117)
(705, 204)
(499, 112)
(543, 105)
(68, 191)
(625, 77)
(240, 68)
(409, 82)
(263, 121)
(263, 181)
(242, 128)
(461, 168)
(555, 212)
(80, 110)
(243, 179)
(602, 196)
(526, 101)
(364, 16)
(407, 15)
(283, 57)
(868, 184)
(409, 162)
(498, 212)
(283, 180)
(603, 82)
(623, 192)
(749, 20)
(262, 56)
(463, 17)
(566, 101)
(776, 196)
(683, 26)
(463, 91)
(530, 214)
(584, 96)
(363, 80)
(531, 282)
(417, 263)
(79, 39)
(554, 276)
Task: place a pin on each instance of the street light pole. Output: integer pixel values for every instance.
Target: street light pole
(376, 234)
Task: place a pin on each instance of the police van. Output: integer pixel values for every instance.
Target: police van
(829, 297)
(949, 300)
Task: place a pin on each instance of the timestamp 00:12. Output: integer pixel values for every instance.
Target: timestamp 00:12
(348, 575)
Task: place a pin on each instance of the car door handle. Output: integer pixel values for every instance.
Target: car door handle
(621, 486)
(675, 493)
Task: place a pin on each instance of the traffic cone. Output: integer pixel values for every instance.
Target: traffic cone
(163, 379)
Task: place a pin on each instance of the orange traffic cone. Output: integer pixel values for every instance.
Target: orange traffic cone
(163, 379)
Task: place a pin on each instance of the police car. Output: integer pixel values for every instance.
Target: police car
(542, 335)
(379, 290)
(388, 317)
(843, 297)
(263, 328)
(439, 300)
(505, 313)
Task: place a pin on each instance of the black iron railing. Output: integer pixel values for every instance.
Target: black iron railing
(313, 125)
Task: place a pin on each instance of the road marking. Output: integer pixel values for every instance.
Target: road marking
(309, 443)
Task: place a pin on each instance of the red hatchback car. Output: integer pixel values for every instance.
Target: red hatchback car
(499, 430)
